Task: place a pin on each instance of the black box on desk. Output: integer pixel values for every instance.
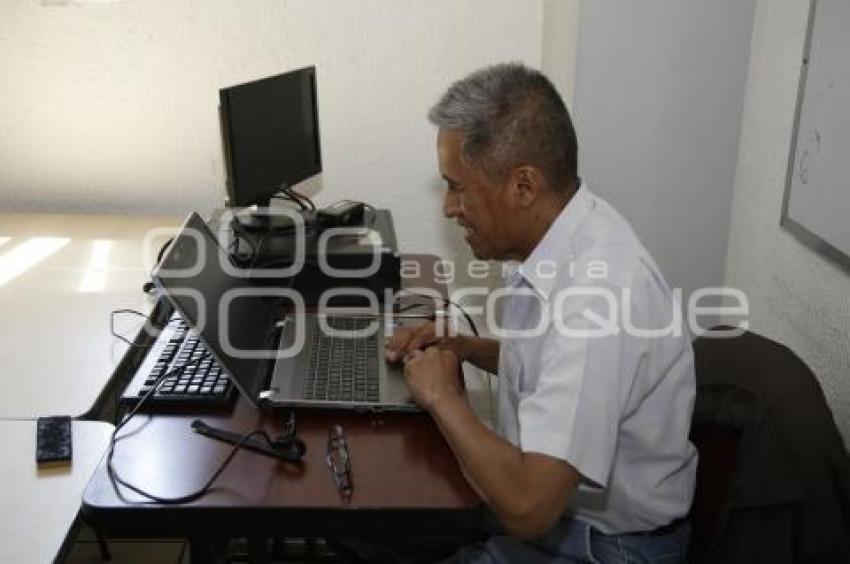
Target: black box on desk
(364, 259)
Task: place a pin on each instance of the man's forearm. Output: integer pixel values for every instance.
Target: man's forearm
(490, 463)
(501, 474)
(528, 491)
(483, 353)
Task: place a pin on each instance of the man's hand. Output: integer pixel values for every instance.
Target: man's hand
(433, 376)
(406, 340)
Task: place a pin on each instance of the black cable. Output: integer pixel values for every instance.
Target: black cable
(304, 202)
(257, 247)
(289, 198)
(147, 325)
(295, 197)
(157, 383)
(465, 316)
(412, 306)
(238, 235)
(116, 479)
(173, 319)
(258, 251)
(303, 198)
(112, 472)
(163, 248)
(133, 311)
(147, 287)
(445, 301)
(299, 197)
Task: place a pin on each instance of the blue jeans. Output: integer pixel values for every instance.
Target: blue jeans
(574, 540)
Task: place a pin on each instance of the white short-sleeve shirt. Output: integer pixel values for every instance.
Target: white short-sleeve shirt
(597, 369)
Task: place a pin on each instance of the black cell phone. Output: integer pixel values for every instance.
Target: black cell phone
(53, 439)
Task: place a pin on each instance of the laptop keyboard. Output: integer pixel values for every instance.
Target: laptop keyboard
(201, 383)
(343, 368)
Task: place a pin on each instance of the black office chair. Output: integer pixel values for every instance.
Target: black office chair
(773, 483)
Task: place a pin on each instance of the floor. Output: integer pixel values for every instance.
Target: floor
(177, 551)
(86, 550)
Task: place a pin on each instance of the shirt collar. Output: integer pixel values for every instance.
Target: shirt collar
(540, 269)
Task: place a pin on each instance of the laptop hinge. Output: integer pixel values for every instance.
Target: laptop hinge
(264, 391)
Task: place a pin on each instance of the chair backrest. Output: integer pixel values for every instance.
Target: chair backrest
(768, 443)
(718, 455)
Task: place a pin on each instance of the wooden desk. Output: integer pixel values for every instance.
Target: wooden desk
(405, 477)
(60, 277)
(40, 505)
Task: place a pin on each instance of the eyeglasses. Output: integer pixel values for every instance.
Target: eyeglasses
(339, 460)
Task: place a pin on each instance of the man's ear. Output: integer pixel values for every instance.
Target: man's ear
(526, 184)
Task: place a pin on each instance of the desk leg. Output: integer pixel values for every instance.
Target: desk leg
(105, 555)
(207, 550)
(258, 550)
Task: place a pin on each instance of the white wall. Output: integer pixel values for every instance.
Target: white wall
(796, 296)
(560, 41)
(113, 106)
(659, 95)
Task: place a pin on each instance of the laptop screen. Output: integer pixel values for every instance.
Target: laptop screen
(235, 329)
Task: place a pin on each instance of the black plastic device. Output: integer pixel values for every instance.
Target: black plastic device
(288, 448)
(248, 220)
(343, 212)
(270, 135)
(376, 254)
(53, 439)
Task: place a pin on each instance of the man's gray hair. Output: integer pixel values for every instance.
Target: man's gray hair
(510, 115)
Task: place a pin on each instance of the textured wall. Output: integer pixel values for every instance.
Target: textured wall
(796, 296)
(113, 106)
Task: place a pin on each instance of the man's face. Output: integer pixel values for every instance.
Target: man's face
(474, 201)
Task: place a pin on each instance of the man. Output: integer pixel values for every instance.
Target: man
(591, 459)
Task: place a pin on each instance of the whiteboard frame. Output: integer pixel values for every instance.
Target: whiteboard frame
(801, 232)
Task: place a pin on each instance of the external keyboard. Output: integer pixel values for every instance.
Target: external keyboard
(196, 378)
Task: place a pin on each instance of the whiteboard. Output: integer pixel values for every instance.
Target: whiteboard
(817, 195)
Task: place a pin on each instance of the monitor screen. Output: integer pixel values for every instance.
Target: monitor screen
(270, 132)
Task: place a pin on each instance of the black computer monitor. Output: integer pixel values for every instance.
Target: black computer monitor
(270, 133)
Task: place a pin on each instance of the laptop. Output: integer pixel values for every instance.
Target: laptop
(299, 359)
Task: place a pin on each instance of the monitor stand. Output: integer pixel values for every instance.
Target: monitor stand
(252, 220)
